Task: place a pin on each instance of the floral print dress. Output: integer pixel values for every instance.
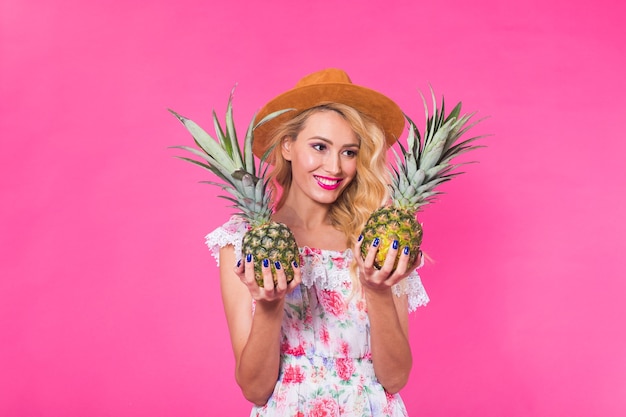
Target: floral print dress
(326, 367)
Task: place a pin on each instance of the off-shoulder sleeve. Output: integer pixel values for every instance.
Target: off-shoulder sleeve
(413, 288)
(230, 233)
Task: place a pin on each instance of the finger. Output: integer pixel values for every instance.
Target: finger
(356, 250)
(371, 253)
(403, 262)
(419, 262)
(297, 277)
(401, 268)
(390, 259)
(239, 269)
(268, 277)
(239, 266)
(248, 267)
(281, 278)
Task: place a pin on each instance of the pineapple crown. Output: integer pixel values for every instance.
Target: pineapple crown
(426, 161)
(241, 177)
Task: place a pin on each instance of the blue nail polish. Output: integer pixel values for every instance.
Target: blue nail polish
(295, 264)
(266, 263)
(360, 238)
(238, 263)
(406, 250)
(249, 257)
(277, 265)
(395, 244)
(376, 242)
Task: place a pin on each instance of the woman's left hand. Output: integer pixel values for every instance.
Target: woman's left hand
(385, 277)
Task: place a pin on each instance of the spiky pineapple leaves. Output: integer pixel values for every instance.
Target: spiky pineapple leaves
(237, 169)
(419, 169)
(425, 163)
(223, 155)
(245, 184)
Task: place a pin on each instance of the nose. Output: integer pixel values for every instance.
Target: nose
(333, 164)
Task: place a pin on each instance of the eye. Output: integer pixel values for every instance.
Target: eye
(350, 153)
(319, 146)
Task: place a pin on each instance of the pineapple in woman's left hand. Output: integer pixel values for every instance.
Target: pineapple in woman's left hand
(420, 168)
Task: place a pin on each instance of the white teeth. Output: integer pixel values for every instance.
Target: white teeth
(326, 181)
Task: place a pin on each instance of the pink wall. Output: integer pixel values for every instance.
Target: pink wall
(109, 300)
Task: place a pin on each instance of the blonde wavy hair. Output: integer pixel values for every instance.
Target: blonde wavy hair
(367, 192)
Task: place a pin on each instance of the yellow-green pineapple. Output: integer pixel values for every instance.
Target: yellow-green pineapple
(420, 168)
(248, 192)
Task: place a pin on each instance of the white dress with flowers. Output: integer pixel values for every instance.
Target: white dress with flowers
(326, 366)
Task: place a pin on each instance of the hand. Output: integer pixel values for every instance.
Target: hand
(385, 277)
(269, 292)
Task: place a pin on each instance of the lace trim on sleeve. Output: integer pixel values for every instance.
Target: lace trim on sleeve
(413, 288)
(230, 233)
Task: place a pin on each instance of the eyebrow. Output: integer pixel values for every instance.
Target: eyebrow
(326, 140)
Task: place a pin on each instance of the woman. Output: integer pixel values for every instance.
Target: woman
(334, 341)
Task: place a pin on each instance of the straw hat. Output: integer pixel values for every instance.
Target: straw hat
(329, 86)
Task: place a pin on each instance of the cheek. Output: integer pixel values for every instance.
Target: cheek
(307, 162)
(350, 167)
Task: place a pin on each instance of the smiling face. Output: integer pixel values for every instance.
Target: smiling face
(323, 158)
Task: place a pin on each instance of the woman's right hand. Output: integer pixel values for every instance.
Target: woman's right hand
(254, 315)
(270, 292)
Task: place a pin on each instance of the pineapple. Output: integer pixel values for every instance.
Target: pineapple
(420, 168)
(249, 193)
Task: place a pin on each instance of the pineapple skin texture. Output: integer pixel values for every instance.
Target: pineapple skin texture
(388, 224)
(275, 242)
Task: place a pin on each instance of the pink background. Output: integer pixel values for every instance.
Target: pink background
(110, 302)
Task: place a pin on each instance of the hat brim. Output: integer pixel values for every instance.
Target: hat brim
(369, 102)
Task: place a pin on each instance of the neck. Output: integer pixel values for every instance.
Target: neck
(305, 218)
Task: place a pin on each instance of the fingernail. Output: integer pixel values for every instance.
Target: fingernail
(249, 257)
(277, 265)
(376, 242)
(406, 250)
(295, 264)
(266, 263)
(395, 244)
(360, 238)
(238, 263)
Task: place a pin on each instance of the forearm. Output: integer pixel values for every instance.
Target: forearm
(391, 352)
(258, 366)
